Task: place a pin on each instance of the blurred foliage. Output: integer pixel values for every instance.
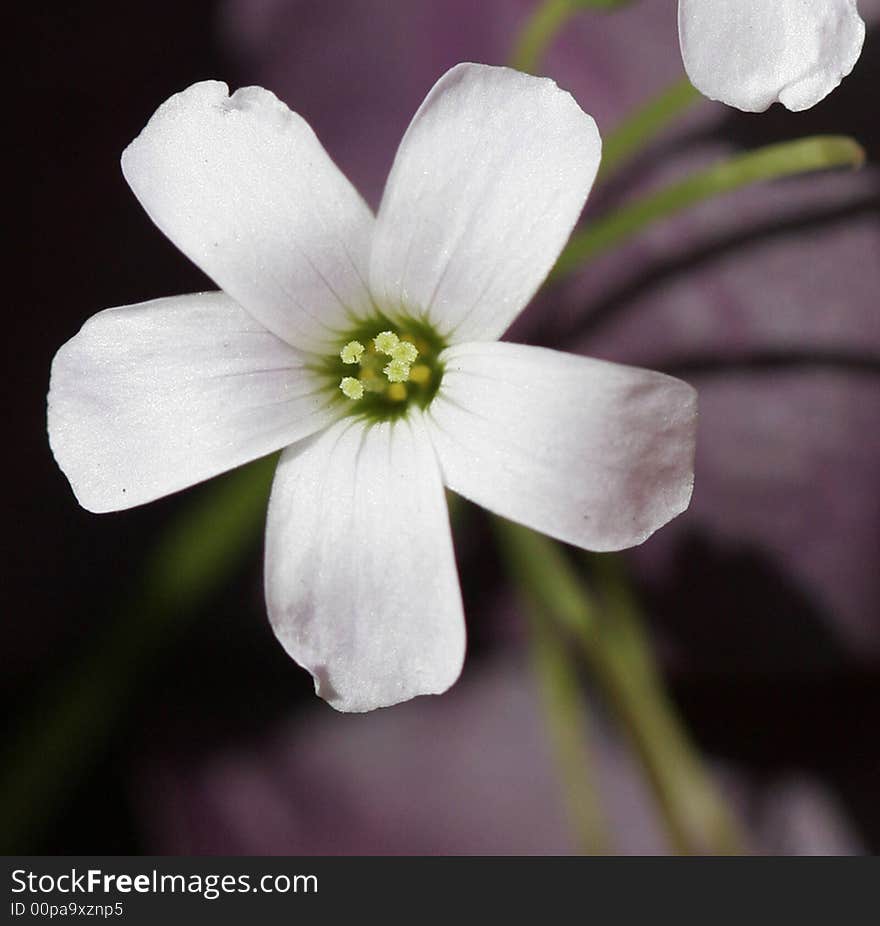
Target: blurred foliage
(783, 160)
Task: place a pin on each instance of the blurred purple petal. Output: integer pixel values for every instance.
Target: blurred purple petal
(468, 773)
(800, 817)
(465, 773)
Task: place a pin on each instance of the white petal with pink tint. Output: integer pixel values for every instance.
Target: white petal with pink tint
(360, 575)
(487, 185)
(243, 187)
(593, 453)
(751, 53)
(151, 398)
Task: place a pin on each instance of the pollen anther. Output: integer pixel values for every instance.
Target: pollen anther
(397, 371)
(405, 351)
(351, 388)
(420, 373)
(352, 352)
(385, 342)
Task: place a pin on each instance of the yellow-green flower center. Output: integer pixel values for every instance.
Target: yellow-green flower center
(385, 366)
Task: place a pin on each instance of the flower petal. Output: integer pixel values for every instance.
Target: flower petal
(487, 184)
(593, 453)
(751, 53)
(148, 399)
(243, 187)
(361, 582)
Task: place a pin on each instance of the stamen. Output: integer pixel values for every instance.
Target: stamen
(405, 351)
(420, 374)
(351, 388)
(385, 342)
(394, 367)
(352, 352)
(397, 371)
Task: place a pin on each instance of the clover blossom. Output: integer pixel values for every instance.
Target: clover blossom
(751, 53)
(366, 348)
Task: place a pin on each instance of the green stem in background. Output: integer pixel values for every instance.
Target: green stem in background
(567, 725)
(72, 722)
(616, 648)
(805, 155)
(631, 672)
(545, 24)
(641, 127)
(539, 31)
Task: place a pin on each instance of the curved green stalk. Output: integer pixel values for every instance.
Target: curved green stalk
(568, 725)
(631, 674)
(567, 721)
(614, 644)
(805, 155)
(538, 32)
(545, 24)
(641, 127)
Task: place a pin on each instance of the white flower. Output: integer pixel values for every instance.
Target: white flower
(367, 347)
(751, 53)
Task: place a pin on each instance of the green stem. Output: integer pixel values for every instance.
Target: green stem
(796, 157)
(72, 722)
(641, 127)
(545, 24)
(539, 31)
(567, 723)
(617, 651)
(702, 820)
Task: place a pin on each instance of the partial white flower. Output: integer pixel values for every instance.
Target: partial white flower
(366, 346)
(751, 53)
